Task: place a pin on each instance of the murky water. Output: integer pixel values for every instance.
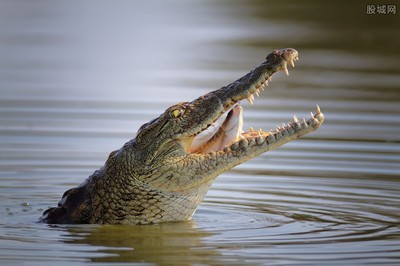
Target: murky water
(77, 81)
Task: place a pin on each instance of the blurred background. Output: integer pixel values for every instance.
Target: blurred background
(77, 79)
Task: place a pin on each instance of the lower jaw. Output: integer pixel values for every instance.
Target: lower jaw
(233, 133)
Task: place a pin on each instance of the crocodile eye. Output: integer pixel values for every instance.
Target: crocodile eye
(176, 113)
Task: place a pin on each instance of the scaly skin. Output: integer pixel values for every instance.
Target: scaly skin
(156, 178)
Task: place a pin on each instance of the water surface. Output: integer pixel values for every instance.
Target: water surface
(77, 81)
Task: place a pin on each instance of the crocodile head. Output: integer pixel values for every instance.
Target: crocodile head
(164, 173)
(182, 133)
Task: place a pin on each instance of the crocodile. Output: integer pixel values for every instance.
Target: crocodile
(164, 173)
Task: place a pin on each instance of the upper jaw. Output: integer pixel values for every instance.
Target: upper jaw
(261, 75)
(214, 104)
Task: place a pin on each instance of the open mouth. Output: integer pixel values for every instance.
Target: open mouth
(218, 136)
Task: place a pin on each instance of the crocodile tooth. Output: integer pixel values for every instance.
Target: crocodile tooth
(251, 99)
(318, 110)
(295, 119)
(286, 71)
(312, 115)
(271, 133)
(292, 62)
(304, 124)
(251, 129)
(257, 92)
(297, 125)
(259, 140)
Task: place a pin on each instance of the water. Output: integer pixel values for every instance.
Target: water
(77, 81)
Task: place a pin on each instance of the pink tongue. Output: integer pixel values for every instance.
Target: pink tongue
(217, 139)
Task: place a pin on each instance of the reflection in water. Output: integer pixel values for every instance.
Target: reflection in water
(76, 82)
(177, 243)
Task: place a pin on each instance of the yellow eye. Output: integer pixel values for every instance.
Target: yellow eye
(176, 113)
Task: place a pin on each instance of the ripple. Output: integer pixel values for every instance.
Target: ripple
(299, 210)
